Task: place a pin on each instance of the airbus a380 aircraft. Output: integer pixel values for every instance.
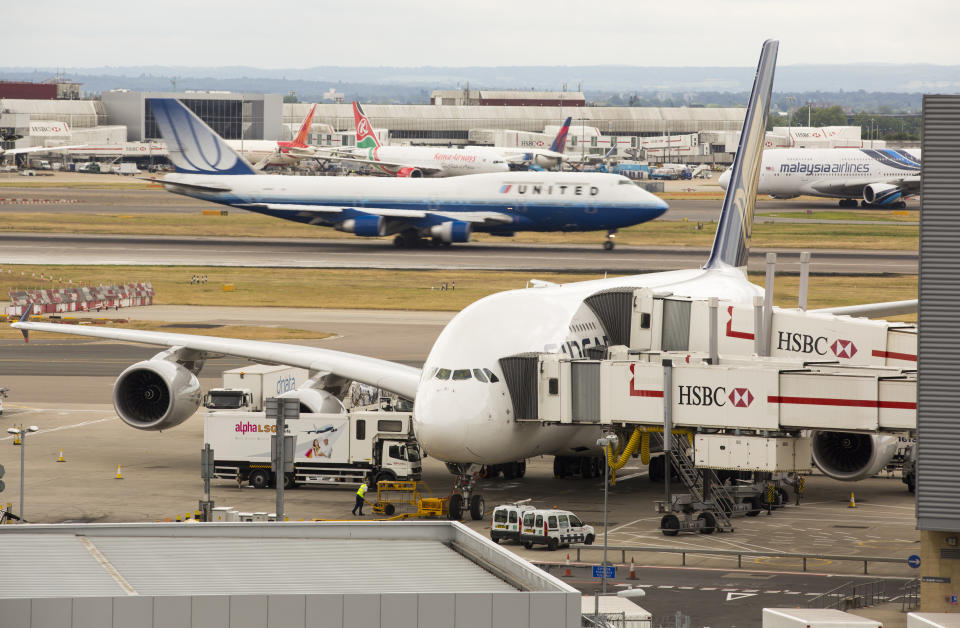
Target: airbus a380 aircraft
(881, 178)
(446, 210)
(463, 409)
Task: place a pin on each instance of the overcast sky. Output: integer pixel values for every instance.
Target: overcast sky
(308, 33)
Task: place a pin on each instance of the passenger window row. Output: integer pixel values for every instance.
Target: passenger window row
(484, 375)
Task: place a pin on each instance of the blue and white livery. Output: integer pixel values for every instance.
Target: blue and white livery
(882, 177)
(445, 210)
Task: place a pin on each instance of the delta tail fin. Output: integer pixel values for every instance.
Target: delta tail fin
(560, 142)
(365, 136)
(192, 146)
(731, 245)
(304, 134)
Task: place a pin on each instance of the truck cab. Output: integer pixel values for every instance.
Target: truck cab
(228, 399)
(505, 521)
(554, 528)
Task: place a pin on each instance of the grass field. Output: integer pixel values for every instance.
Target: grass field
(395, 290)
(238, 223)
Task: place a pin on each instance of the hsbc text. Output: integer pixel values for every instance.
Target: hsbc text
(801, 343)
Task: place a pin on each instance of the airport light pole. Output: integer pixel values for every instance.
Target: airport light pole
(22, 433)
(606, 442)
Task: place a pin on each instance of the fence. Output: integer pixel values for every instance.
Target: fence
(851, 595)
(80, 299)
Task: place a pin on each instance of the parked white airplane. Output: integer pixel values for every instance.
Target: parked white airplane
(463, 408)
(882, 177)
(263, 153)
(446, 210)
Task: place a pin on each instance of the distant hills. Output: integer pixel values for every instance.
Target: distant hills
(413, 85)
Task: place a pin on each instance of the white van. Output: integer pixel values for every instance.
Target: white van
(505, 522)
(554, 528)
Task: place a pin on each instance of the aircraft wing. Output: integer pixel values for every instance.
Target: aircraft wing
(386, 212)
(397, 378)
(854, 188)
(873, 310)
(38, 149)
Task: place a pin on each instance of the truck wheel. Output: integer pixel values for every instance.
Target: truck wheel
(388, 476)
(456, 507)
(389, 510)
(589, 540)
(288, 481)
(527, 544)
(552, 544)
(670, 525)
(259, 478)
(709, 522)
(495, 539)
(754, 506)
(476, 507)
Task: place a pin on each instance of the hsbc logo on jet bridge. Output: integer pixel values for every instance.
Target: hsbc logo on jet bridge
(715, 396)
(819, 345)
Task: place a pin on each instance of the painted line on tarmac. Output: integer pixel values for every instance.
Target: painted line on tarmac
(626, 525)
(68, 427)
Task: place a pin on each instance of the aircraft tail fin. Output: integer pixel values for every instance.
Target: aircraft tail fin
(304, 134)
(365, 135)
(731, 245)
(192, 146)
(560, 142)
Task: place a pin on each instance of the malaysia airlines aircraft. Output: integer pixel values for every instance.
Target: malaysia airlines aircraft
(445, 210)
(263, 153)
(463, 407)
(880, 177)
(416, 161)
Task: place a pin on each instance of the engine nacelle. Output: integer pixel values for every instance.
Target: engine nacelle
(156, 395)
(364, 226)
(410, 173)
(452, 231)
(881, 193)
(849, 456)
(315, 401)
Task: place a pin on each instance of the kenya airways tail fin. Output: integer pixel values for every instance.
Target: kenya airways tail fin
(560, 142)
(365, 135)
(304, 134)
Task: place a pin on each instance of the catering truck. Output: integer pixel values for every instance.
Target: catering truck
(246, 387)
(335, 449)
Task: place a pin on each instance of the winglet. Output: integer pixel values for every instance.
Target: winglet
(560, 142)
(365, 135)
(25, 318)
(731, 245)
(304, 134)
(192, 146)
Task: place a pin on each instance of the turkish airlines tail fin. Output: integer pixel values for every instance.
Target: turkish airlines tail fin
(731, 245)
(560, 142)
(304, 134)
(365, 135)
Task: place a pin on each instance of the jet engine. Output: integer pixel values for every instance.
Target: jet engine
(364, 226)
(881, 193)
(410, 173)
(156, 395)
(849, 456)
(452, 231)
(315, 401)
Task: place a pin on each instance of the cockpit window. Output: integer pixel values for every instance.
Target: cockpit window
(443, 374)
(625, 182)
(461, 374)
(493, 378)
(479, 375)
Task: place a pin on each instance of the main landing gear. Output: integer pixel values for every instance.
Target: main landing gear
(463, 498)
(847, 202)
(609, 244)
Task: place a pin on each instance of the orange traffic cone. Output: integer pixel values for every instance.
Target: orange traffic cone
(853, 502)
(566, 572)
(60, 458)
(119, 475)
(633, 570)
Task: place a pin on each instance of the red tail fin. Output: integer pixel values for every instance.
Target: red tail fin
(364, 130)
(304, 133)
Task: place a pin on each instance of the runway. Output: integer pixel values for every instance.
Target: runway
(33, 248)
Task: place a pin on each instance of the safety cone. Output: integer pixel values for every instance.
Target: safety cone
(119, 475)
(853, 502)
(60, 458)
(633, 570)
(566, 572)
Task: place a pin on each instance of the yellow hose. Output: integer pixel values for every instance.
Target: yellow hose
(640, 439)
(645, 448)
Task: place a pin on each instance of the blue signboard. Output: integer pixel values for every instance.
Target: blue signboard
(914, 561)
(611, 572)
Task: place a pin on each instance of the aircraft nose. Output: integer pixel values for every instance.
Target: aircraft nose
(438, 426)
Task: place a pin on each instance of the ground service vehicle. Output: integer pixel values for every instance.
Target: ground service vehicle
(337, 449)
(554, 528)
(246, 387)
(505, 521)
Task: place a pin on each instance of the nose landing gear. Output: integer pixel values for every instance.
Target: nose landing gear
(463, 497)
(609, 244)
